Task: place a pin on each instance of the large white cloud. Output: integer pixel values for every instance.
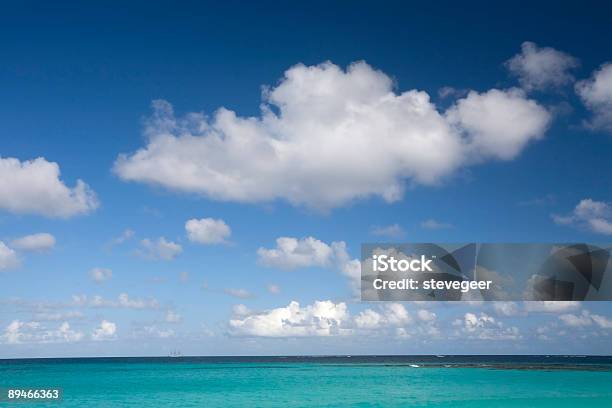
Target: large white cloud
(542, 68)
(34, 187)
(595, 216)
(8, 257)
(207, 231)
(596, 94)
(322, 318)
(328, 136)
(41, 241)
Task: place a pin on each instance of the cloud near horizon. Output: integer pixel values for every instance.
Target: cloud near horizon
(376, 140)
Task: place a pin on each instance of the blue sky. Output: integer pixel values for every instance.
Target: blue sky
(450, 141)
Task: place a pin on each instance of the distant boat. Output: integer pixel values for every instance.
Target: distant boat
(175, 353)
(414, 365)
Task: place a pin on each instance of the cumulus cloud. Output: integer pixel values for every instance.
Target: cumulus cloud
(100, 274)
(391, 231)
(542, 68)
(105, 331)
(376, 140)
(8, 257)
(160, 249)
(291, 253)
(322, 318)
(34, 187)
(390, 315)
(36, 242)
(18, 332)
(596, 94)
(589, 214)
(207, 231)
(499, 124)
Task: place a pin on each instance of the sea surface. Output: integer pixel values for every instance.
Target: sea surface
(347, 381)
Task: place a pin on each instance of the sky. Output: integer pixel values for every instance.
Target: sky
(200, 177)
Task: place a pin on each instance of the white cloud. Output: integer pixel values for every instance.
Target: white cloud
(432, 224)
(549, 306)
(273, 289)
(18, 332)
(105, 331)
(596, 94)
(391, 231)
(34, 187)
(542, 68)
(125, 236)
(239, 293)
(100, 274)
(57, 316)
(240, 310)
(506, 308)
(154, 331)
(8, 257)
(585, 319)
(207, 231)
(123, 301)
(322, 318)
(498, 124)
(160, 249)
(390, 315)
(426, 315)
(173, 317)
(291, 253)
(595, 216)
(375, 140)
(36, 242)
(485, 327)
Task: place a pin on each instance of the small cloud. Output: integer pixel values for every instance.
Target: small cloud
(548, 199)
(8, 257)
(105, 331)
(173, 317)
(35, 242)
(595, 216)
(207, 231)
(450, 92)
(391, 231)
(100, 275)
(596, 94)
(238, 293)
(240, 310)
(160, 249)
(184, 277)
(273, 289)
(125, 236)
(542, 68)
(432, 224)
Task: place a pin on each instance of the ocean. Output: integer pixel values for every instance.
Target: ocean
(358, 381)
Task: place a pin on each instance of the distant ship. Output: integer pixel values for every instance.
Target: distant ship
(175, 353)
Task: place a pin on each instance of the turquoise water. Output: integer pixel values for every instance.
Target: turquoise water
(304, 384)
